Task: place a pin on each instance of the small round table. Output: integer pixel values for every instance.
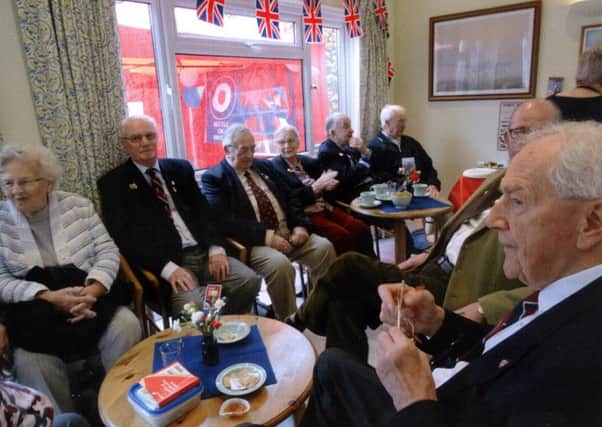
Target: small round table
(398, 221)
(291, 354)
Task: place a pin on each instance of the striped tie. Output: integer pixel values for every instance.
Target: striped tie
(157, 187)
(525, 308)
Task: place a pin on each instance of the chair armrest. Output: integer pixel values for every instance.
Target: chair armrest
(243, 252)
(131, 278)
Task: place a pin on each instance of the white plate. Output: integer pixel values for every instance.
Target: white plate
(376, 204)
(231, 332)
(233, 390)
(384, 198)
(478, 173)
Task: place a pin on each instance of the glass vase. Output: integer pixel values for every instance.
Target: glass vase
(209, 350)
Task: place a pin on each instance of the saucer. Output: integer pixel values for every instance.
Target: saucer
(375, 204)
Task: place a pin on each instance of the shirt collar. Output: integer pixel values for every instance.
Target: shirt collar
(143, 168)
(563, 288)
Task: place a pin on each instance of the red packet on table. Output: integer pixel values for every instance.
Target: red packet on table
(213, 293)
(168, 383)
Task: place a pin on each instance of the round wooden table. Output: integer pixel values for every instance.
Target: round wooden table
(398, 219)
(292, 357)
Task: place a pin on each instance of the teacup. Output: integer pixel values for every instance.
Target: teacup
(401, 199)
(367, 198)
(420, 190)
(381, 190)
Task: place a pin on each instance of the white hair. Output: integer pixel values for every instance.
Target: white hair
(332, 120)
(287, 128)
(389, 111)
(232, 132)
(589, 68)
(578, 171)
(126, 121)
(47, 165)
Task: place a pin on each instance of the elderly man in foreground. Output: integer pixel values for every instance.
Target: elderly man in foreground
(541, 365)
(259, 210)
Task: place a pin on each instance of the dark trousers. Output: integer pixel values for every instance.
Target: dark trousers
(346, 232)
(345, 301)
(346, 392)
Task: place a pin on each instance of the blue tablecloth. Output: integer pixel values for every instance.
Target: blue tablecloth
(249, 350)
(417, 203)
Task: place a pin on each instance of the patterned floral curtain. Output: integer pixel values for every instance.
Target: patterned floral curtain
(72, 56)
(373, 71)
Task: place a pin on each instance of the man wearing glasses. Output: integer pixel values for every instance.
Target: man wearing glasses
(160, 220)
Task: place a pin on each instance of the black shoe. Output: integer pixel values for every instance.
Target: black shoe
(294, 321)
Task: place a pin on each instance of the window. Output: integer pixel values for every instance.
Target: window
(138, 64)
(207, 77)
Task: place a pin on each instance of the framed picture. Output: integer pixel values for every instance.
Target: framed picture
(555, 85)
(591, 35)
(484, 54)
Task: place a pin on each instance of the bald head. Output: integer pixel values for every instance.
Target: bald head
(529, 116)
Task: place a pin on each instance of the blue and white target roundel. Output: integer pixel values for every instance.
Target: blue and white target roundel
(223, 97)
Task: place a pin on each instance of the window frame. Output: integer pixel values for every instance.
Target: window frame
(167, 43)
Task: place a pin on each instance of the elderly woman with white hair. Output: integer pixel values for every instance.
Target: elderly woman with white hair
(58, 266)
(304, 176)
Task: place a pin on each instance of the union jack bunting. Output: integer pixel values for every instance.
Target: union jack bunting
(211, 11)
(312, 20)
(390, 70)
(268, 18)
(381, 14)
(352, 19)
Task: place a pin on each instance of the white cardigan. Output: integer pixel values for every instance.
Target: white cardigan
(78, 236)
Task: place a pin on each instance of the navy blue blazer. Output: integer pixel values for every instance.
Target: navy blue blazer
(353, 176)
(137, 221)
(304, 192)
(549, 373)
(386, 156)
(237, 218)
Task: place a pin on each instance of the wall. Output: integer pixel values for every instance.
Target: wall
(17, 118)
(458, 134)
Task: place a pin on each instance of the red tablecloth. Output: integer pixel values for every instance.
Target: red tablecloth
(462, 190)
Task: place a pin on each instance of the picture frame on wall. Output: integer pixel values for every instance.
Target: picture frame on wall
(591, 35)
(485, 54)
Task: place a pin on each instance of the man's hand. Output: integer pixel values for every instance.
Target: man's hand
(4, 343)
(413, 262)
(181, 278)
(360, 145)
(298, 237)
(403, 370)
(281, 244)
(471, 311)
(433, 191)
(219, 267)
(418, 306)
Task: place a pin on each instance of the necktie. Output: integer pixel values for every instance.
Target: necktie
(267, 214)
(525, 308)
(157, 187)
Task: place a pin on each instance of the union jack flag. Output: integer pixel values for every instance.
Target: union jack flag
(352, 19)
(390, 70)
(381, 14)
(211, 11)
(268, 18)
(312, 20)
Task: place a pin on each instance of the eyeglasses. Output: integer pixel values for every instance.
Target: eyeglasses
(518, 132)
(288, 141)
(137, 139)
(9, 184)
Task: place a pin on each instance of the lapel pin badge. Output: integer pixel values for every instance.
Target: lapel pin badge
(133, 186)
(173, 186)
(503, 363)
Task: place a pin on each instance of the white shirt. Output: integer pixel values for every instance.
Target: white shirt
(185, 235)
(452, 251)
(548, 297)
